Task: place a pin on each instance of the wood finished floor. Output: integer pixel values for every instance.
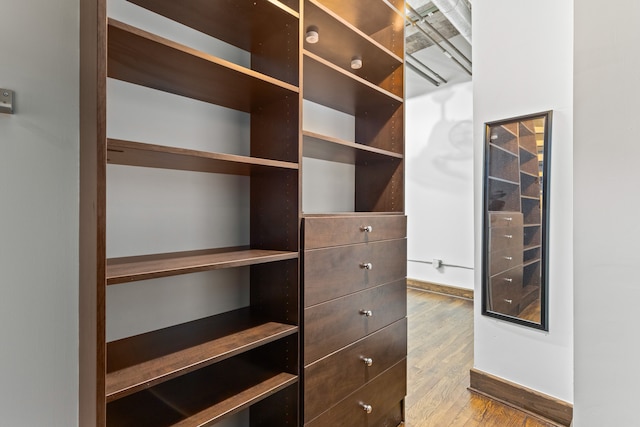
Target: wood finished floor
(440, 356)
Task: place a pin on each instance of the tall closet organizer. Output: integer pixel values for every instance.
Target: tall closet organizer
(220, 283)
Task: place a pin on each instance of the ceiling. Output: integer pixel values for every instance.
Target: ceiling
(432, 25)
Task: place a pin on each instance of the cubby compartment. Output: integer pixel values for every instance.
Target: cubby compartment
(503, 195)
(375, 19)
(267, 29)
(530, 185)
(529, 162)
(532, 236)
(208, 395)
(503, 164)
(505, 137)
(531, 274)
(531, 211)
(377, 64)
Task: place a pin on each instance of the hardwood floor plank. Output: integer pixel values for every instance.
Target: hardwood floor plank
(439, 359)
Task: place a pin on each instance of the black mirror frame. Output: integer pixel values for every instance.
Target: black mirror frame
(544, 255)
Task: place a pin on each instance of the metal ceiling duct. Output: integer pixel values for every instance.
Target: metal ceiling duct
(458, 14)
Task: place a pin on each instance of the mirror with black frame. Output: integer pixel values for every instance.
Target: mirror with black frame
(516, 212)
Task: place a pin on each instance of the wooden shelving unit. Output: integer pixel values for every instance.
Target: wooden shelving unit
(250, 358)
(513, 189)
(143, 267)
(202, 371)
(354, 263)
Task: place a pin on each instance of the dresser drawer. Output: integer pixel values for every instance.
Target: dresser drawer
(501, 238)
(505, 219)
(334, 272)
(331, 379)
(324, 231)
(384, 395)
(332, 325)
(506, 259)
(506, 291)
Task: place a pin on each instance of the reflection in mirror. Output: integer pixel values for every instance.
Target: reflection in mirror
(515, 219)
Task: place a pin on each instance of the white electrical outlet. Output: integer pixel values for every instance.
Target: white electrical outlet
(6, 101)
(436, 263)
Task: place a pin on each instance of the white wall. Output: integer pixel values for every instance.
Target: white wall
(522, 60)
(39, 214)
(439, 185)
(606, 205)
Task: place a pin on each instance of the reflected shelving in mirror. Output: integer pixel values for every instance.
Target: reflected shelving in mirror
(516, 219)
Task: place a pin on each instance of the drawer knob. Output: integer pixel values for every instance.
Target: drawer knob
(367, 361)
(508, 279)
(509, 301)
(509, 236)
(366, 313)
(508, 258)
(366, 265)
(508, 218)
(367, 408)
(366, 228)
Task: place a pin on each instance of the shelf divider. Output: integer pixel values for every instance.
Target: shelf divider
(324, 147)
(142, 361)
(139, 57)
(143, 267)
(157, 156)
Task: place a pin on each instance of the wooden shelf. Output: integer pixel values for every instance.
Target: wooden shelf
(157, 156)
(331, 86)
(130, 269)
(200, 398)
(528, 263)
(324, 147)
(373, 18)
(380, 66)
(142, 361)
(145, 59)
(506, 181)
(262, 27)
(511, 153)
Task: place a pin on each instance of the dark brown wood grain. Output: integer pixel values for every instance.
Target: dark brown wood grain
(329, 85)
(380, 186)
(324, 231)
(261, 27)
(385, 394)
(129, 269)
(142, 361)
(332, 378)
(157, 156)
(92, 209)
(337, 323)
(370, 17)
(521, 397)
(338, 150)
(201, 398)
(380, 65)
(145, 59)
(338, 271)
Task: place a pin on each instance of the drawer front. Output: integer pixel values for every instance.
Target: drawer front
(384, 395)
(334, 272)
(333, 378)
(505, 219)
(332, 325)
(504, 260)
(322, 232)
(501, 238)
(506, 291)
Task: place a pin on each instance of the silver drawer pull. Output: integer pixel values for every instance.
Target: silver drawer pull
(508, 279)
(508, 258)
(509, 236)
(366, 313)
(367, 361)
(508, 218)
(367, 408)
(366, 228)
(366, 265)
(508, 301)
